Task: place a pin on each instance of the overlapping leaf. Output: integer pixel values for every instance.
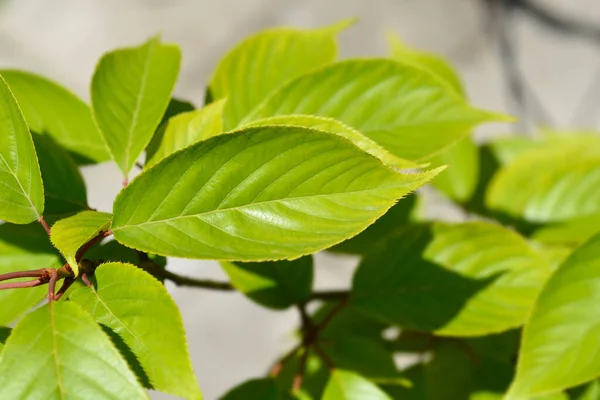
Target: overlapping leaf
(264, 389)
(22, 194)
(59, 352)
(459, 180)
(572, 232)
(263, 193)
(4, 334)
(140, 312)
(345, 385)
(69, 234)
(53, 110)
(23, 247)
(460, 280)
(263, 62)
(560, 343)
(274, 284)
(131, 89)
(185, 129)
(406, 110)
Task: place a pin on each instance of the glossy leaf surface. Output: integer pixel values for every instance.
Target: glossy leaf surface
(22, 195)
(139, 311)
(402, 108)
(59, 352)
(262, 193)
(53, 110)
(345, 385)
(130, 91)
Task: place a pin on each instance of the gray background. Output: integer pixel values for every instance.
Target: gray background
(231, 339)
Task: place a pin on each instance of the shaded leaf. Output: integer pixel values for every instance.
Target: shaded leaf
(69, 234)
(345, 385)
(58, 352)
(259, 389)
(130, 91)
(263, 62)
(402, 108)
(572, 232)
(138, 309)
(460, 280)
(263, 193)
(176, 107)
(113, 251)
(4, 334)
(22, 199)
(185, 129)
(53, 110)
(563, 328)
(274, 284)
(459, 180)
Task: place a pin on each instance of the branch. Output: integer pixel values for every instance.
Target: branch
(330, 295)
(199, 283)
(96, 239)
(44, 224)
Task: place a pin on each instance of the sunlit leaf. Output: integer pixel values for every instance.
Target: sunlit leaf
(131, 89)
(70, 234)
(459, 180)
(22, 195)
(140, 312)
(571, 232)
(53, 110)
(459, 280)
(263, 193)
(345, 385)
(59, 352)
(263, 62)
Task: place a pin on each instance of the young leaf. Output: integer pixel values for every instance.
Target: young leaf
(131, 89)
(53, 110)
(332, 126)
(402, 108)
(22, 198)
(263, 193)
(263, 62)
(460, 280)
(64, 188)
(69, 234)
(23, 247)
(263, 389)
(345, 385)
(185, 129)
(563, 328)
(274, 284)
(140, 312)
(59, 352)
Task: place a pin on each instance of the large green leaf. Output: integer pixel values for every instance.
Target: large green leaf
(131, 89)
(556, 182)
(560, 342)
(23, 247)
(64, 188)
(185, 129)
(140, 312)
(332, 126)
(69, 234)
(572, 232)
(345, 385)
(263, 62)
(22, 198)
(406, 110)
(273, 284)
(53, 110)
(459, 180)
(259, 389)
(459, 280)
(263, 193)
(59, 352)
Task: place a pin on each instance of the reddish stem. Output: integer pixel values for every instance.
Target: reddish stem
(18, 285)
(35, 273)
(43, 222)
(65, 286)
(52, 285)
(81, 252)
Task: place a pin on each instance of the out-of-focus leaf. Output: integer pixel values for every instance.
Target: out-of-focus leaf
(259, 389)
(345, 385)
(459, 180)
(570, 233)
(4, 334)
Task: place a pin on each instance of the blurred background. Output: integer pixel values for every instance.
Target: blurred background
(539, 60)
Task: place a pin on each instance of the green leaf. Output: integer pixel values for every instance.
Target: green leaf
(564, 186)
(429, 62)
(563, 328)
(459, 180)
(64, 188)
(275, 284)
(140, 312)
(176, 107)
(590, 391)
(185, 129)
(263, 193)
(22, 199)
(345, 385)
(402, 108)
(466, 279)
(58, 352)
(53, 110)
(131, 89)
(332, 126)
(23, 247)
(572, 232)
(259, 389)
(4, 334)
(263, 62)
(113, 251)
(69, 234)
